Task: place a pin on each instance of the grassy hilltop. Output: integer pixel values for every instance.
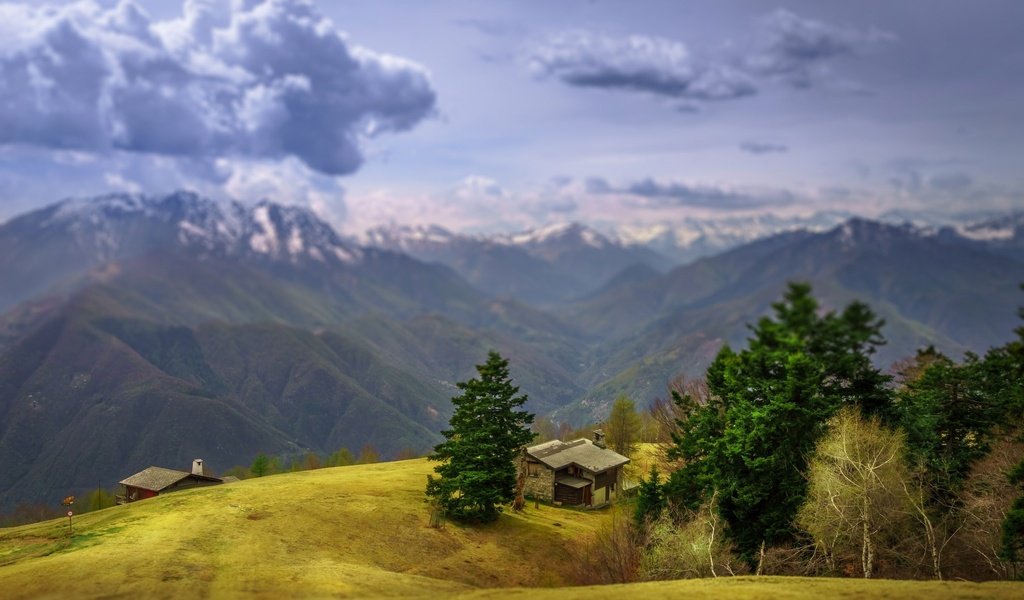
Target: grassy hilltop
(357, 531)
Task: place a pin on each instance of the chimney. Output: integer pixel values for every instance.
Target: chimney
(197, 467)
(599, 438)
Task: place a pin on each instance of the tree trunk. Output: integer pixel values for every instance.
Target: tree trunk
(519, 502)
(760, 560)
(713, 516)
(867, 555)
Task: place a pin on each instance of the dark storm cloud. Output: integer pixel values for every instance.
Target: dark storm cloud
(263, 79)
(637, 63)
(795, 46)
(658, 194)
(763, 148)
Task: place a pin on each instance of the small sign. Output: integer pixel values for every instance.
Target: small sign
(70, 513)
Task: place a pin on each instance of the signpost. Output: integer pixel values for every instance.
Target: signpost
(68, 501)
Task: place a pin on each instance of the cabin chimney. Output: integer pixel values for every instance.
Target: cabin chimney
(599, 438)
(197, 467)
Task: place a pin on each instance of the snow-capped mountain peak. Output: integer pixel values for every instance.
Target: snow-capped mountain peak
(267, 230)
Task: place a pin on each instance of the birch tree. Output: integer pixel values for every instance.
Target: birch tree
(857, 488)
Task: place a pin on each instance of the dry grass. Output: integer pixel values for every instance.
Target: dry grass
(349, 532)
(358, 530)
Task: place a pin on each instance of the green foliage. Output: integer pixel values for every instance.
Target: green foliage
(650, 500)
(260, 466)
(623, 426)
(767, 408)
(949, 417)
(341, 458)
(99, 499)
(487, 432)
(1013, 526)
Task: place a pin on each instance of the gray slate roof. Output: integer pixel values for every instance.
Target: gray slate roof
(582, 453)
(159, 478)
(573, 482)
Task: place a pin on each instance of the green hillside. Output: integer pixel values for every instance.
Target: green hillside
(358, 531)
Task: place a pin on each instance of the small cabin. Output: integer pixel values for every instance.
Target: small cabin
(154, 481)
(578, 473)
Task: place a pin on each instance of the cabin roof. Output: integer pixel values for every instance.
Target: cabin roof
(582, 452)
(156, 479)
(573, 482)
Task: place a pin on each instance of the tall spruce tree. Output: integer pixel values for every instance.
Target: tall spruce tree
(486, 435)
(768, 406)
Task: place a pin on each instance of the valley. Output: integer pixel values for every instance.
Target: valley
(179, 326)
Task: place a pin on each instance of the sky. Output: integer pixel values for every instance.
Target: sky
(497, 116)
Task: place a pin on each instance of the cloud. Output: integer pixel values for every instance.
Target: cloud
(795, 47)
(763, 148)
(478, 187)
(652, 193)
(252, 79)
(637, 63)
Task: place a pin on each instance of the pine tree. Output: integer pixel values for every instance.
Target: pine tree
(650, 500)
(768, 406)
(260, 466)
(486, 435)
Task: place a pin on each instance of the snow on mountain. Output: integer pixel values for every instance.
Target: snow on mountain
(265, 230)
(556, 233)
(695, 238)
(997, 229)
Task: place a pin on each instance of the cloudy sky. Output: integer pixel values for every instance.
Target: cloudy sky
(501, 115)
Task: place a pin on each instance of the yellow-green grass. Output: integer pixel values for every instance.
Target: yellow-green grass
(783, 588)
(358, 531)
(353, 532)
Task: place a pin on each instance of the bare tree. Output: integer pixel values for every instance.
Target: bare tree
(858, 479)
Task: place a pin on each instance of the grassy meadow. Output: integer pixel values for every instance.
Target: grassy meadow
(359, 531)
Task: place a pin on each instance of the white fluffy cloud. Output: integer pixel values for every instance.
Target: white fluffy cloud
(249, 79)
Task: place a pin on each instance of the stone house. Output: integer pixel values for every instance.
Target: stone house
(578, 473)
(154, 481)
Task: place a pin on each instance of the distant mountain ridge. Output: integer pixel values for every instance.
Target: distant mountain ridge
(139, 329)
(540, 266)
(691, 238)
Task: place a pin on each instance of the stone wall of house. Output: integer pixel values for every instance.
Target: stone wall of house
(540, 486)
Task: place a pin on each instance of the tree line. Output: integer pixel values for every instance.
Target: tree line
(797, 455)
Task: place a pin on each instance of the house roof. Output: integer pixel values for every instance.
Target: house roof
(582, 452)
(159, 478)
(573, 482)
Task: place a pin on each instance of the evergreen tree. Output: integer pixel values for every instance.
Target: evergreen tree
(768, 406)
(1013, 527)
(650, 500)
(260, 465)
(486, 435)
(949, 418)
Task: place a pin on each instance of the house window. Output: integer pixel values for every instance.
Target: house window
(533, 469)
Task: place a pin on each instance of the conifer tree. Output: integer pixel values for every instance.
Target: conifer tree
(487, 433)
(768, 406)
(650, 500)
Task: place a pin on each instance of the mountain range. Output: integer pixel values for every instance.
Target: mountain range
(138, 330)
